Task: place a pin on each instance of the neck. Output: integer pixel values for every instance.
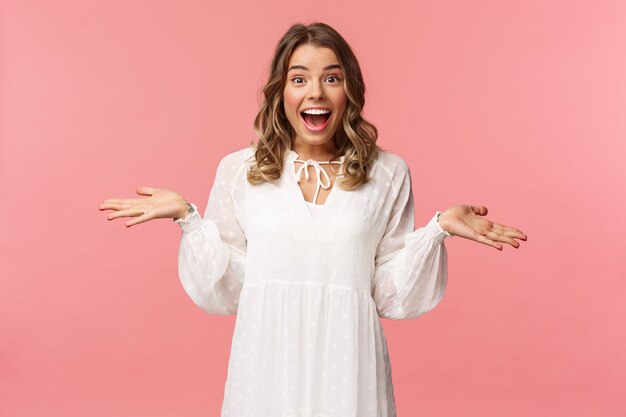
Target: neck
(325, 152)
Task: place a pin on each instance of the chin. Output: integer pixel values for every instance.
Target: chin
(316, 140)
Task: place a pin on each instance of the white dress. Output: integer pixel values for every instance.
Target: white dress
(308, 284)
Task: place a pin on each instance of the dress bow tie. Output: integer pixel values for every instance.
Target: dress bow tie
(318, 170)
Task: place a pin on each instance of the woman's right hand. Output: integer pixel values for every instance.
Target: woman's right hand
(158, 204)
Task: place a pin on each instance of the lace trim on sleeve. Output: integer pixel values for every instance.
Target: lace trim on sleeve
(191, 221)
(435, 230)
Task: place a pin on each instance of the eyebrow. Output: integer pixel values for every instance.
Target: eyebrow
(302, 67)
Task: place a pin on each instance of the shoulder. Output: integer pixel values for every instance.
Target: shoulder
(391, 165)
(238, 158)
(233, 163)
(233, 166)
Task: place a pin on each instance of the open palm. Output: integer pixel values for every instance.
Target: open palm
(158, 203)
(468, 222)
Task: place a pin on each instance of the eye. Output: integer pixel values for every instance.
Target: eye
(333, 77)
(294, 79)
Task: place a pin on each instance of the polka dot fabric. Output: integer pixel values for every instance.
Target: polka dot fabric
(308, 284)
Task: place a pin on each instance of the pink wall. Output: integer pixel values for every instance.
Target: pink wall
(518, 106)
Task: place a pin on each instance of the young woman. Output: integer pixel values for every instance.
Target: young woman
(308, 236)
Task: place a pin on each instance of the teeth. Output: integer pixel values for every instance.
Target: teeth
(316, 111)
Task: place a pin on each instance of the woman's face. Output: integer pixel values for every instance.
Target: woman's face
(314, 81)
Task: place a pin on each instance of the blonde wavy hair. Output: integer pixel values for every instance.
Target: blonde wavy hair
(355, 137)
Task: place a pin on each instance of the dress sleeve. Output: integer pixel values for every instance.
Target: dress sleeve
(410, 265)
(212, 252)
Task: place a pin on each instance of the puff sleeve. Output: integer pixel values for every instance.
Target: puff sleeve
(410, 270)
(212, 251)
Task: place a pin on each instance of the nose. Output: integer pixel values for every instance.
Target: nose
(316, 91)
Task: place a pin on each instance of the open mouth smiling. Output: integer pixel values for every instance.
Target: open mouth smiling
(315, 119)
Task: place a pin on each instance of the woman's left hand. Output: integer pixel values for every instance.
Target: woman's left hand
(467, 221)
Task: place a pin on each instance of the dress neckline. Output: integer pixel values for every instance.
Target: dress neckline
(293, 157)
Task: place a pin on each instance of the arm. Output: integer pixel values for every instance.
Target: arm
(212, 252)
(410, 265)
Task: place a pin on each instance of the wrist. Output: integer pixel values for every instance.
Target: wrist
(185, 210)
(442, 219)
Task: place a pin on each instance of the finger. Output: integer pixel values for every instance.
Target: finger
(498, 237)
(146, 190)
(141, 219)
(112, 200)
(118, 205)
(485, 240)
(509, 231)
(518, 233)
(480, 210)
(118, 200)
(134, 212)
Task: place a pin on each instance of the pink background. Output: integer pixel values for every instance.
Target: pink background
(518, 106)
